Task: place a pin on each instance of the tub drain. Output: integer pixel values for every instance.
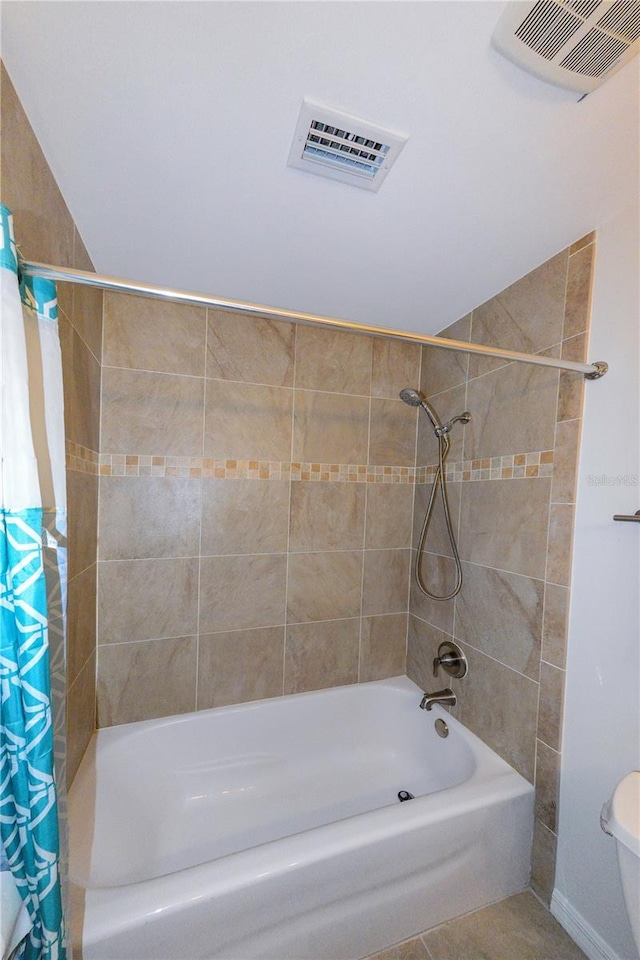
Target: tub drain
(404, 795)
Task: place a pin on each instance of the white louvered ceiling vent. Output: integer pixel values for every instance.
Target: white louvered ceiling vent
(334, 144)
(577, 44)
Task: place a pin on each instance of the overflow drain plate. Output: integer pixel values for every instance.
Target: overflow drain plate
(404, 795)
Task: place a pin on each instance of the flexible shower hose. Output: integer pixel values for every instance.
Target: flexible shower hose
(440, 481)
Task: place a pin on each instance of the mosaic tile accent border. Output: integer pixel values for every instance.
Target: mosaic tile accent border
(513, 467)
(81, 459)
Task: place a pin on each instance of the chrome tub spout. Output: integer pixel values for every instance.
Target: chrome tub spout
(445, 697)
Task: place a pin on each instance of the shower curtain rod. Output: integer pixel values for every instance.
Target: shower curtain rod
(591, 371)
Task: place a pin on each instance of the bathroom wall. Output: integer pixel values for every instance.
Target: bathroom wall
(45, 231)
(512, 495)
(602, 712)
(256, 498)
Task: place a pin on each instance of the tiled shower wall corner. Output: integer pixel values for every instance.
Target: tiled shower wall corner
(45, 232)
(256, 498)
(512, 497)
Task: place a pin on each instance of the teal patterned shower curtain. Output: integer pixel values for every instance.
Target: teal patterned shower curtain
(28, 795)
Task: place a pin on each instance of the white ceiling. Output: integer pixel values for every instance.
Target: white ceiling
(168, 126)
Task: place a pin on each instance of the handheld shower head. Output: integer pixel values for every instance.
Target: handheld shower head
(415, 399)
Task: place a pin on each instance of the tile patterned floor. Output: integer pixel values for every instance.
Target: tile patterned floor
(518, 928)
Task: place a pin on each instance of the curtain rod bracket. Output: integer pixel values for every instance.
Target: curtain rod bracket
(601, 367)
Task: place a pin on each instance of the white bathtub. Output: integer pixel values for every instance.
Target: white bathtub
(273, 829)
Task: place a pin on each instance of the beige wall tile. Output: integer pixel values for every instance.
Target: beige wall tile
(578, 303)
(446, 405)
(501, 614)
(395, 365)
(385, 583)
(547, 784)
(513, 411)
(239, 593)
(146, 599)
(81, 383)
(239, 666)
(250, 349)
(86, 315)
(438, 575)
(571, 385)
(247, 422)
(565, 461)
(333, 360)
(81, 716)
(81, 621)
(437, 538)
(444, 369)
(140, 681)
(389, 515)
(130, 508)
(330, 429)
(319, 655)
(551, 704)
(504, 524)
(82, 520)
(501, 707)
(527, 316)
(560, 543)
(146, 334)
(383, 647)
(244, 516)
(543, 861)
(554, 628)
(327, 516)
(43, 225)
(151, 413)
(324, 586)
(392, 436)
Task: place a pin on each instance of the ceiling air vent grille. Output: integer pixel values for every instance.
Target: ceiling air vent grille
(576, 44)
(333, 144)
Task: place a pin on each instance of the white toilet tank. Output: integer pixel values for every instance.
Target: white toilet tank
(621, 818)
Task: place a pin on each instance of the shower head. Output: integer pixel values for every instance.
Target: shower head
(411, 396)
(415, 399)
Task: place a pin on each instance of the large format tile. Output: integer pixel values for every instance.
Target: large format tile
(395, 365)
(550, 709)
(244, 421)
(389, 515)
(87, 302)
(151, 413)
(81, 383)
(513, 411)
(501, 614)
(81, 621)
(333, 360)
(140, 681)
(330, 428)
(81, 715)
(503, 524)
(554, 627)
(129, 512)
(543, 861)
(392, 433)
(423, 641)
(438, 576)
(500, 706)
(244, 516)
(324, 586)
(383, 647)
(437, 536)
(327, 516)
(250, 349)
(385, 586)
(560, 543)
(147, 334)
(518, 928)
(446, 405)
(443, 369)
(547, 784)
(571, 385)
(526, 316)
(565, 461)
(578, 302)
(240, 665)
(319, 655)
(82, 520)
(238, 593)
(146, 599)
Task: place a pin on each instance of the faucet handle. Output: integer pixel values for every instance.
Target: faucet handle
(451, 659)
